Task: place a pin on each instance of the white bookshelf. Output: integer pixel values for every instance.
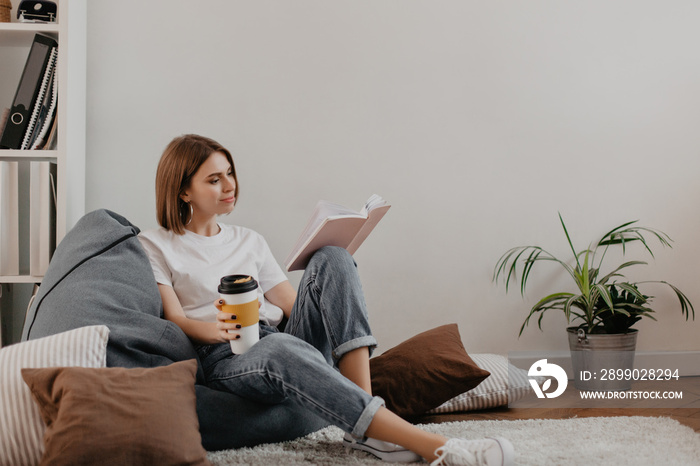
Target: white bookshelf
(15, 41)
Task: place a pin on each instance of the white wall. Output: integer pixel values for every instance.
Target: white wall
(477, 120)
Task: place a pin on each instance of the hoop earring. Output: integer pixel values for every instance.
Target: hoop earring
(191, 213)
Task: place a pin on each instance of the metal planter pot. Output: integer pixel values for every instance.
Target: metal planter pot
(597, 359)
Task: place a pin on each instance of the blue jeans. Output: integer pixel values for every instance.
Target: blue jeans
(328, 320)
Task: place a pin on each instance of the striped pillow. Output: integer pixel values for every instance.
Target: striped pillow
(499, 389)
(21, 427)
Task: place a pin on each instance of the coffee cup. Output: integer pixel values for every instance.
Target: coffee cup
(240, 296)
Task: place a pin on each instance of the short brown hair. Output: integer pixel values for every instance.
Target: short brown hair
(179, 162)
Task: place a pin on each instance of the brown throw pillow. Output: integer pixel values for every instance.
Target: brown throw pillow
(117, 416)
(424, 371)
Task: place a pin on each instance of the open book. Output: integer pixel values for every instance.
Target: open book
(335, 225)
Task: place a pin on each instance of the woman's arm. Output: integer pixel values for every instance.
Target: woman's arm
(202, 332)
(282, 296)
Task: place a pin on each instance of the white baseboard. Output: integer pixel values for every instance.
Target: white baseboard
(687, 362)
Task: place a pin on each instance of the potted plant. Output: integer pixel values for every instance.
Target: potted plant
(604, 301)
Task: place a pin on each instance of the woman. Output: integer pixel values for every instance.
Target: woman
(315, 345)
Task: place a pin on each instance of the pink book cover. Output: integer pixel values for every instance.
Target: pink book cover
(347, 231)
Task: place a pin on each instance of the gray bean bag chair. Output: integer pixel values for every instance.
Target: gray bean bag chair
(99, 274)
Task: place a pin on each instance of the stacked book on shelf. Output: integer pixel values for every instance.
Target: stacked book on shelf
(9, 218)
(41, 197)
(31, 119)
(42, 217)
(30, 123)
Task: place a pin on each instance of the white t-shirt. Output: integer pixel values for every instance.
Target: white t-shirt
(193, 265)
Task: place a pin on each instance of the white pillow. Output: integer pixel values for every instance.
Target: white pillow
(21, 427)
(498, 389)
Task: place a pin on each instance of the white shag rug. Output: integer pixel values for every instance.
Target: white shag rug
(616, 441)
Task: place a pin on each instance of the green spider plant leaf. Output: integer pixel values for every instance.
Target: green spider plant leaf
(602, 303)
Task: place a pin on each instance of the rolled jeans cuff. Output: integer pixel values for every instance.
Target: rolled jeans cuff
(366, 417)
(369, 341)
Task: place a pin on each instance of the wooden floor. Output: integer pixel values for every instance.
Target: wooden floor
(688, 415)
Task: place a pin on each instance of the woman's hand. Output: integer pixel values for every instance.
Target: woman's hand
(226, 322)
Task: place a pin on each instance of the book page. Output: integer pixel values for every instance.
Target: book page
(375, 201)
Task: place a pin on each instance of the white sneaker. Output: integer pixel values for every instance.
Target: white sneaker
(389, 452)
(482, 452)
